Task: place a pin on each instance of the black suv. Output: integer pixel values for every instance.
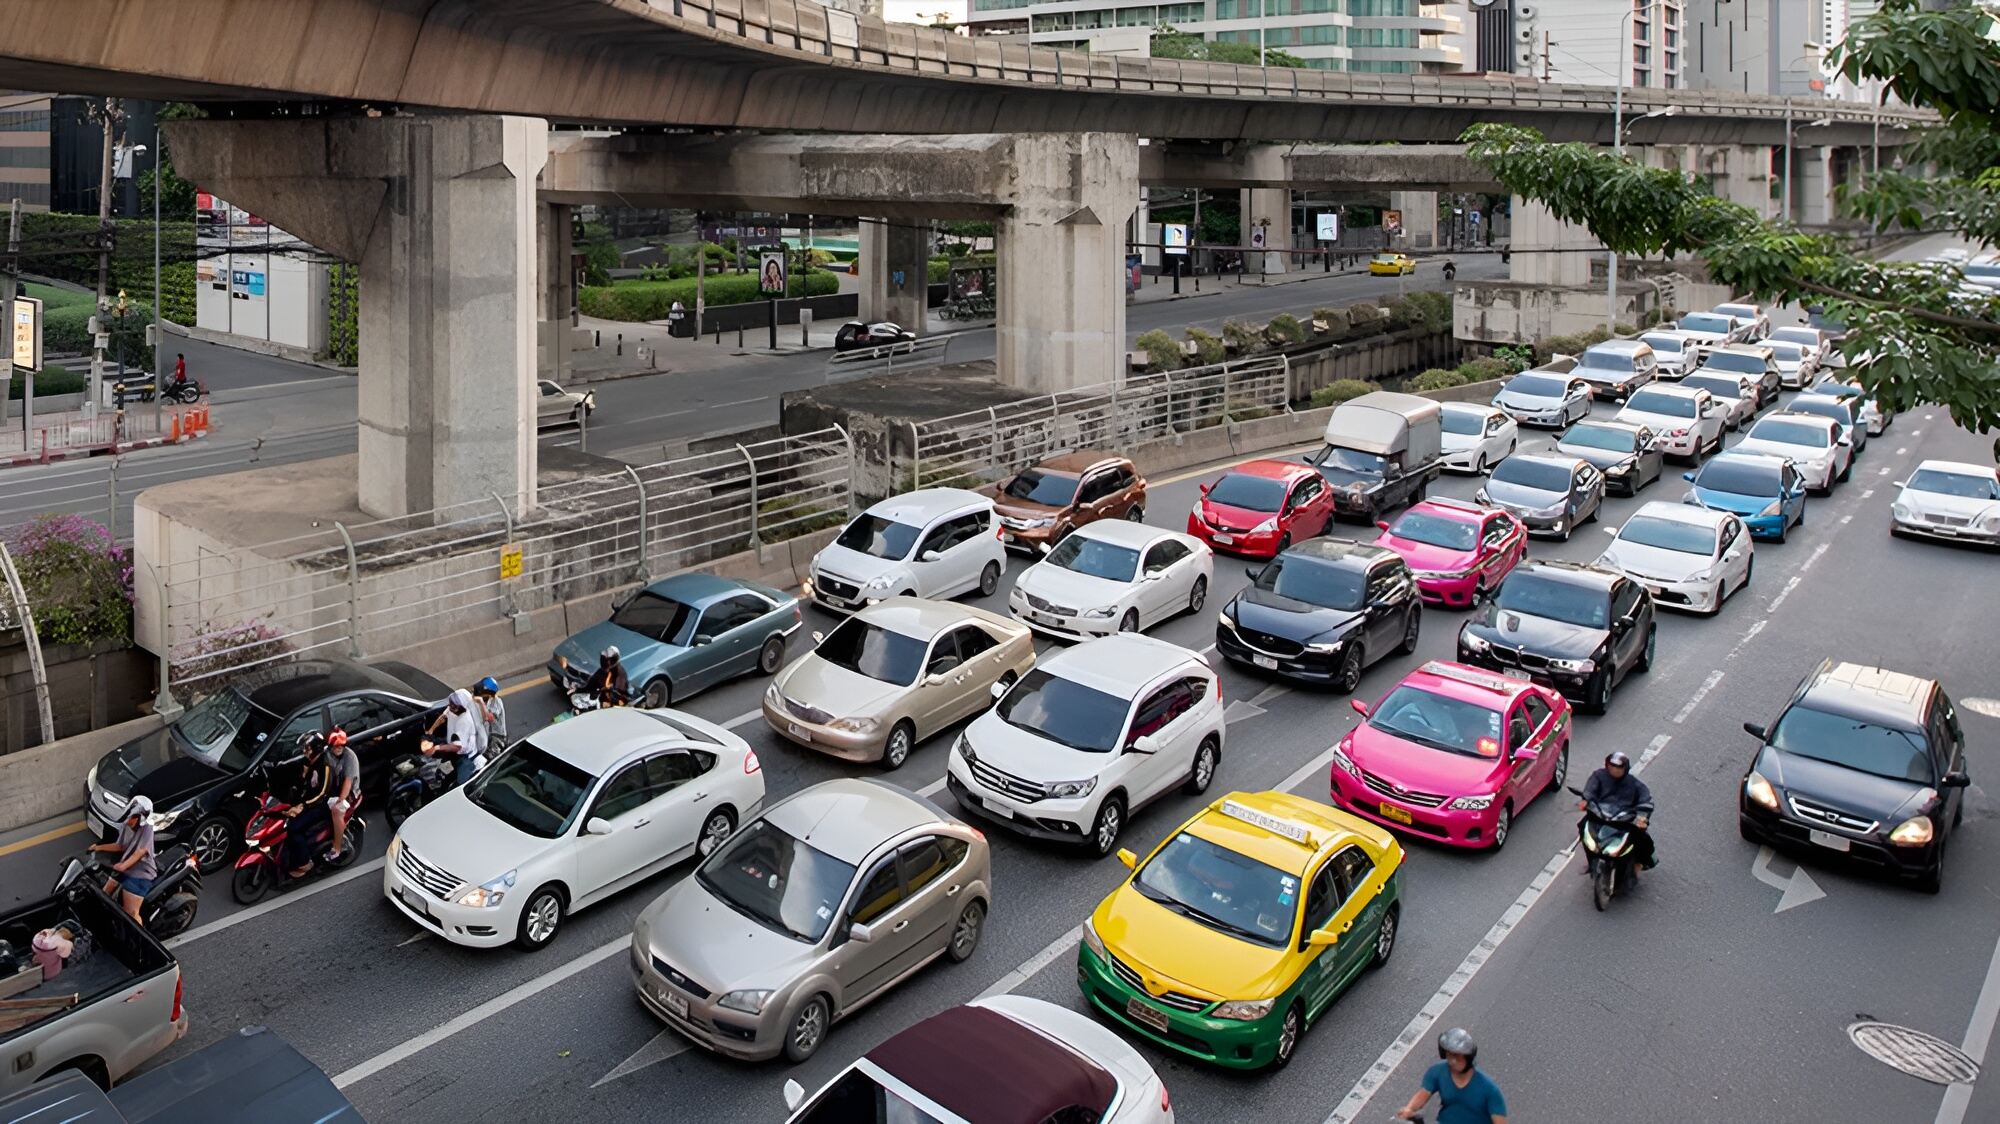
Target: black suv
(1321, 612)
(204, 770)
(1864, 763)
(1578, 628)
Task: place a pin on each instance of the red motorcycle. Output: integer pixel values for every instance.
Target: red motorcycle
(262, 866)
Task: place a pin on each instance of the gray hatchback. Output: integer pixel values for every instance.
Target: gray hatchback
(809, 912)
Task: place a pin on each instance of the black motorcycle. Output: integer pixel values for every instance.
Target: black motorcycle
(1450, 271)
(416, 780)
(169, 907)
(1608, 835)
(855, 335)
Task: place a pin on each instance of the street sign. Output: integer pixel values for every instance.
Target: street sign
(510, 561)
(1174, 235)
(1257, 237)
(1328, 226)
(27, 333)
(771, 273)
(1473, 218)
(1392, 223)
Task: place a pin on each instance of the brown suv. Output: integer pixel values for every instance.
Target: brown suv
(1048, 501)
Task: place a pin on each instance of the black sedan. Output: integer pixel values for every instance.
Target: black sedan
(1578, 628)
(1862, 763)
(1321, 612)
(1628, 455)
(855, 335)
(205, 770)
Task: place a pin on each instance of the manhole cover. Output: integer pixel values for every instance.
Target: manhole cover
(1989, 707)
(1920, 1055)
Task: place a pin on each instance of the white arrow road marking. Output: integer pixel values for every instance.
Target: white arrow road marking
(1798, 889)
(666, 1044)
(1252, 707)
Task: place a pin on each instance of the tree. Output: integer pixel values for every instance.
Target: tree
(1171, 43)
(1915, 333)
(176, 194)
(600, 253)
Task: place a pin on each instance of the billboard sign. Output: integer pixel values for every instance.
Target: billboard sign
(771, 273)
(1327, 226)
(1174, 236)
(1392, 223)
(25, 322)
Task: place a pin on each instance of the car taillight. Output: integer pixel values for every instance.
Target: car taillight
(750, 762)
(176, 1016)
(1166, 1102)
(1218, 689)
(976, 833)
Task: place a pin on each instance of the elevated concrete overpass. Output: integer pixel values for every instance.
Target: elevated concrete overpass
(793, 65)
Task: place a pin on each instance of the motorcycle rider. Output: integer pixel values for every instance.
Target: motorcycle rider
(492, 711)
(133, 874)
(609, 682)
(344, 766)
(1450, 269)
(465, 735)
(1465, 1095)
(1615, 787)
(309, 810)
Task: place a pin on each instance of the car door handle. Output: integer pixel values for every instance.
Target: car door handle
(642, 823)
(698, 798)
(953, 892)
(900, 925)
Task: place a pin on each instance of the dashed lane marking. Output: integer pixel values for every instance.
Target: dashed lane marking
(1790, 585)
(1033, 964)
(1700, 693)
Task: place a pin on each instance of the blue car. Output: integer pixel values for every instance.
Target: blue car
(682, 635)
(1767, 492)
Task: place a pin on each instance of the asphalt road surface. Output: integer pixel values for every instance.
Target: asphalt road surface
(1694, 999)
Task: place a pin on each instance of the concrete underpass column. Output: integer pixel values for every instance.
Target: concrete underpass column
(1268, 208)
(1812, 198)
(889, 247)
(1420, 218)
(1559, 254)
(1062, 260)
(556, 290)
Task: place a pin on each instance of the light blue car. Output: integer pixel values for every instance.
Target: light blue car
(682, 635)
(1767, 492)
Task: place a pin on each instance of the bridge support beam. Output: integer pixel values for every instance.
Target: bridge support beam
(1061, 250)
(1420, 218)
(895, 272)
(1268, 209)
(555, 293)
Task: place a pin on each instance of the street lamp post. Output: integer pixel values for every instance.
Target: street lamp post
(1618, 127)
(1785, 198)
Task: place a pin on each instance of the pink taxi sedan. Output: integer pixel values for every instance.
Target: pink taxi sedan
(1455, 549)
(1453, 753)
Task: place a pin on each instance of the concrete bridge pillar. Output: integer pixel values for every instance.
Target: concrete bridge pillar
(1061, 253)
(441, 214)
(1420, 218)
(556, 291)
(895, 265)
(1268, 209)
(1560, 257)
(1812, 186)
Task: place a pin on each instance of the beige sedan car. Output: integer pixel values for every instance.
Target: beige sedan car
(894, 674)
(558, 405)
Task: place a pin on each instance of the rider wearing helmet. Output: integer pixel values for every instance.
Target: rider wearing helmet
(1616, 788)
(1465, 1095)
(492, 711)
(133, 874)
(309, 810)
(608, 682)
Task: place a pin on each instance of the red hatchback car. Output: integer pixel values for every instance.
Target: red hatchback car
(1454, 549)
(1259, 508)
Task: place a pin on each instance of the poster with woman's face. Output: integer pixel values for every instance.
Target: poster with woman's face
(771, 277)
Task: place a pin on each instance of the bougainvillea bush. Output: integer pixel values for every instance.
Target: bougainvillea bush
(78, 579)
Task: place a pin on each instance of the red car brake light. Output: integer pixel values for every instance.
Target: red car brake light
(178, 981)
(750, 762)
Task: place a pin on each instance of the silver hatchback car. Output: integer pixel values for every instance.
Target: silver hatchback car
(809, 912)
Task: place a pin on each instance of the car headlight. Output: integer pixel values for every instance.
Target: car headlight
(1244, 1010)
(1327, 647)
(881, 581)
(963, 748)
(1913, 832)
(748, 1002)
(1473, 641)
(488, 894)
(1991, 522)
(1266, 526)
(1093, 942)
(1195, 511)
(1760, 791)
(1553, 509)
(1101, 613)
(1070, 790)
(854, 725)
(1619, 469)
(161, 821)
(1581, 666)
(1345, 763)
(1472, 803)
(1775, 507)
(90, 779)
(773, 696)
(1677, 433)
(1227, 618)
(395, 847)
(806, 588)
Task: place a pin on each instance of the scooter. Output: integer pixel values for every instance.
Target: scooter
(262, 867)
(418, 780)
(169, 907)
(185, 391)
(1607, 834)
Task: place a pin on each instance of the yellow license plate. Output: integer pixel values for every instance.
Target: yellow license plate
(1391, 812)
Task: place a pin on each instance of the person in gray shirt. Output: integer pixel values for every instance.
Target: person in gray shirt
(135, 870)
(345, 768)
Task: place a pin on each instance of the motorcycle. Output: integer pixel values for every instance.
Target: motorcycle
(185, 391)
(1607, 836)
(856, 334)
(262, 866)
(1450, 271)
(169, 907)
(417, 780)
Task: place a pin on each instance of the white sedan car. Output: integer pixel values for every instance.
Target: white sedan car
(1796, 363)
(1949, 500)
(1813, 443)
(1113, 576)
(1818, 341)
(1753, 316)
(1686, 557)
(1477, 437)
(1688, 420)
(557, 405)
(1550, 399)
(567, 817)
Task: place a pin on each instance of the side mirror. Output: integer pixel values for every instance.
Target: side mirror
(1756, 731)
(1130, 860)
(861, 934)
(1845, 441)
(1322, 938)
(597, 825)
(1621, 626)
(1381, 526)
(1205, 488)
(1527, 753)
(1612, 531)
(703, 638)
(1153, 575)
(1360, 707)
(1688, 476)
(1955, 779)
(1253, 572)
(936, 678)
(998, 691)
(795, 1095)
(1146, 743)
(1898, 485)
(818, 636)
(623, 599)
(929, 556)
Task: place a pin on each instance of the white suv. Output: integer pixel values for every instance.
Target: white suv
(1688, 421)
(936, 543)
(1091, 734)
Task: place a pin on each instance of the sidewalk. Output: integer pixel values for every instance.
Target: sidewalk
(72, 433)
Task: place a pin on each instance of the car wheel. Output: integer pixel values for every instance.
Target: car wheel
(1136, 513)
(1479, 465)
(1288, 1036)
(1652, 642)
(989, 579)
(1597, 693)
(808, 1030)
(715, 831)
(1562, 770)
(1202, 774)
(1385, 936)
(1932, 880)
(213, 843)
(1198, 596)
(1284, 543)
(966, 931)
(771, 656)
(1110, 822)
(1129, 622)
(541, 919)
(896, 750)
(1785, 529)
(1502, 824)
(658, 693)
(1847, 470)
(1410, 630)
(1351, 666)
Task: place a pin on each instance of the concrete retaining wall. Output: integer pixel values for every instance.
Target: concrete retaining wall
(89, 687)
(46, 781)
(1372, 359)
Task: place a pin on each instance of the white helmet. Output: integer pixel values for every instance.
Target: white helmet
(139, 806)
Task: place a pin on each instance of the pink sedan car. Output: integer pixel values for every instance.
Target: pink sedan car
(1453, 753)
(1455, 549)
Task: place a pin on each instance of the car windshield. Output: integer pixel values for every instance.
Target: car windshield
(1344, 466)
(1433, 530)
(1741, 363)
(1840, 740)
(531, 790)
(1704, 322)
(1541, 476)
(1717, 385)
(1453, 725)
(1823, 407)
(1229, 892)
(1464, 421)
(653, 616)
(1051, 489)
(1065, 712)
(1786, 352)
(1568, 602)
(1663, 343)
(1669, 534)
(225, 730)
(1661, 403)
(1313, 582)
(1251, 493)
(1808, 336)
(1606, 360)
(1962, 484)
(1537, 386)
(879, 537)
(856, 1097)
(1746, 311)
(780, 882)
(873, 651)
(1738, 477)
(1388, 258)
(1096, 558)
(1790, 433)
(1607, 437)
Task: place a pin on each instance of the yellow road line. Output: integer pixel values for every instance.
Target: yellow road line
(44, 837)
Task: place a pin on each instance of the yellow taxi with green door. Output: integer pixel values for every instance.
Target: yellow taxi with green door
(1242, 928)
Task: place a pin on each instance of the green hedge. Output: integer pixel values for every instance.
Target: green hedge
(651, 300)
(1437, 378)
(53, 380)
(131, 258)
(1486, 369)
(1162, 353)
(1341, 390)
(66, 331)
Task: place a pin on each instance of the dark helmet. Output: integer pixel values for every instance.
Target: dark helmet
(312, 742)
(1458, 1041)
(1617, 757)
(610, 653)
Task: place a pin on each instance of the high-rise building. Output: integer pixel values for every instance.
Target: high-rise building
(1581, 42)
(1768, 46)
(24, 150)
(1364, 36)
(51, 153)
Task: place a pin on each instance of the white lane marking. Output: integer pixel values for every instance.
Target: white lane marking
(1884, 472)
(1867, 493)
(1813, 557)
(933, 788)
(1653, 748)
(740, 719)
(1034, 964)
(1790, 584)
(1794, 891)
(289, 898)
(1916, 433)
(413, 938)
(1207, 650)
(669, 1043)
(1978, 1035)
(1700, 693)
(1902, 450)
(1316, 765)
(1747, 637)
(481, 1013)
(1846, 519)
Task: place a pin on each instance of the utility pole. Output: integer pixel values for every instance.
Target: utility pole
(108, 117)
(1548, 68)
(159, 384)
(8, 276)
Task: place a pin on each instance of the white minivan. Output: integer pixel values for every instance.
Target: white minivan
(936, 543)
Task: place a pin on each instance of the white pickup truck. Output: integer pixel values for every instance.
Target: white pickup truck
(115, 1003)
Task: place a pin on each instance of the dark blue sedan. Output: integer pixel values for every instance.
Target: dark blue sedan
(682, 635)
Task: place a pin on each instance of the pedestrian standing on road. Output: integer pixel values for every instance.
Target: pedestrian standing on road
(1465, 1095)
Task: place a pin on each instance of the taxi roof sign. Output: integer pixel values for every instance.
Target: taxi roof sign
(1277, 825)
(1492, 681)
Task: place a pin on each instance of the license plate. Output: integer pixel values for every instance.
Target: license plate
(411, 899)
(1828, 840)
(97, 826)
(799, 732)
(1653, 589)
(1264, 662)
(1038, 618)
(1391, 812)
(673, 1003)
(1225, 539)
(1145, 1014)
(998, 810)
